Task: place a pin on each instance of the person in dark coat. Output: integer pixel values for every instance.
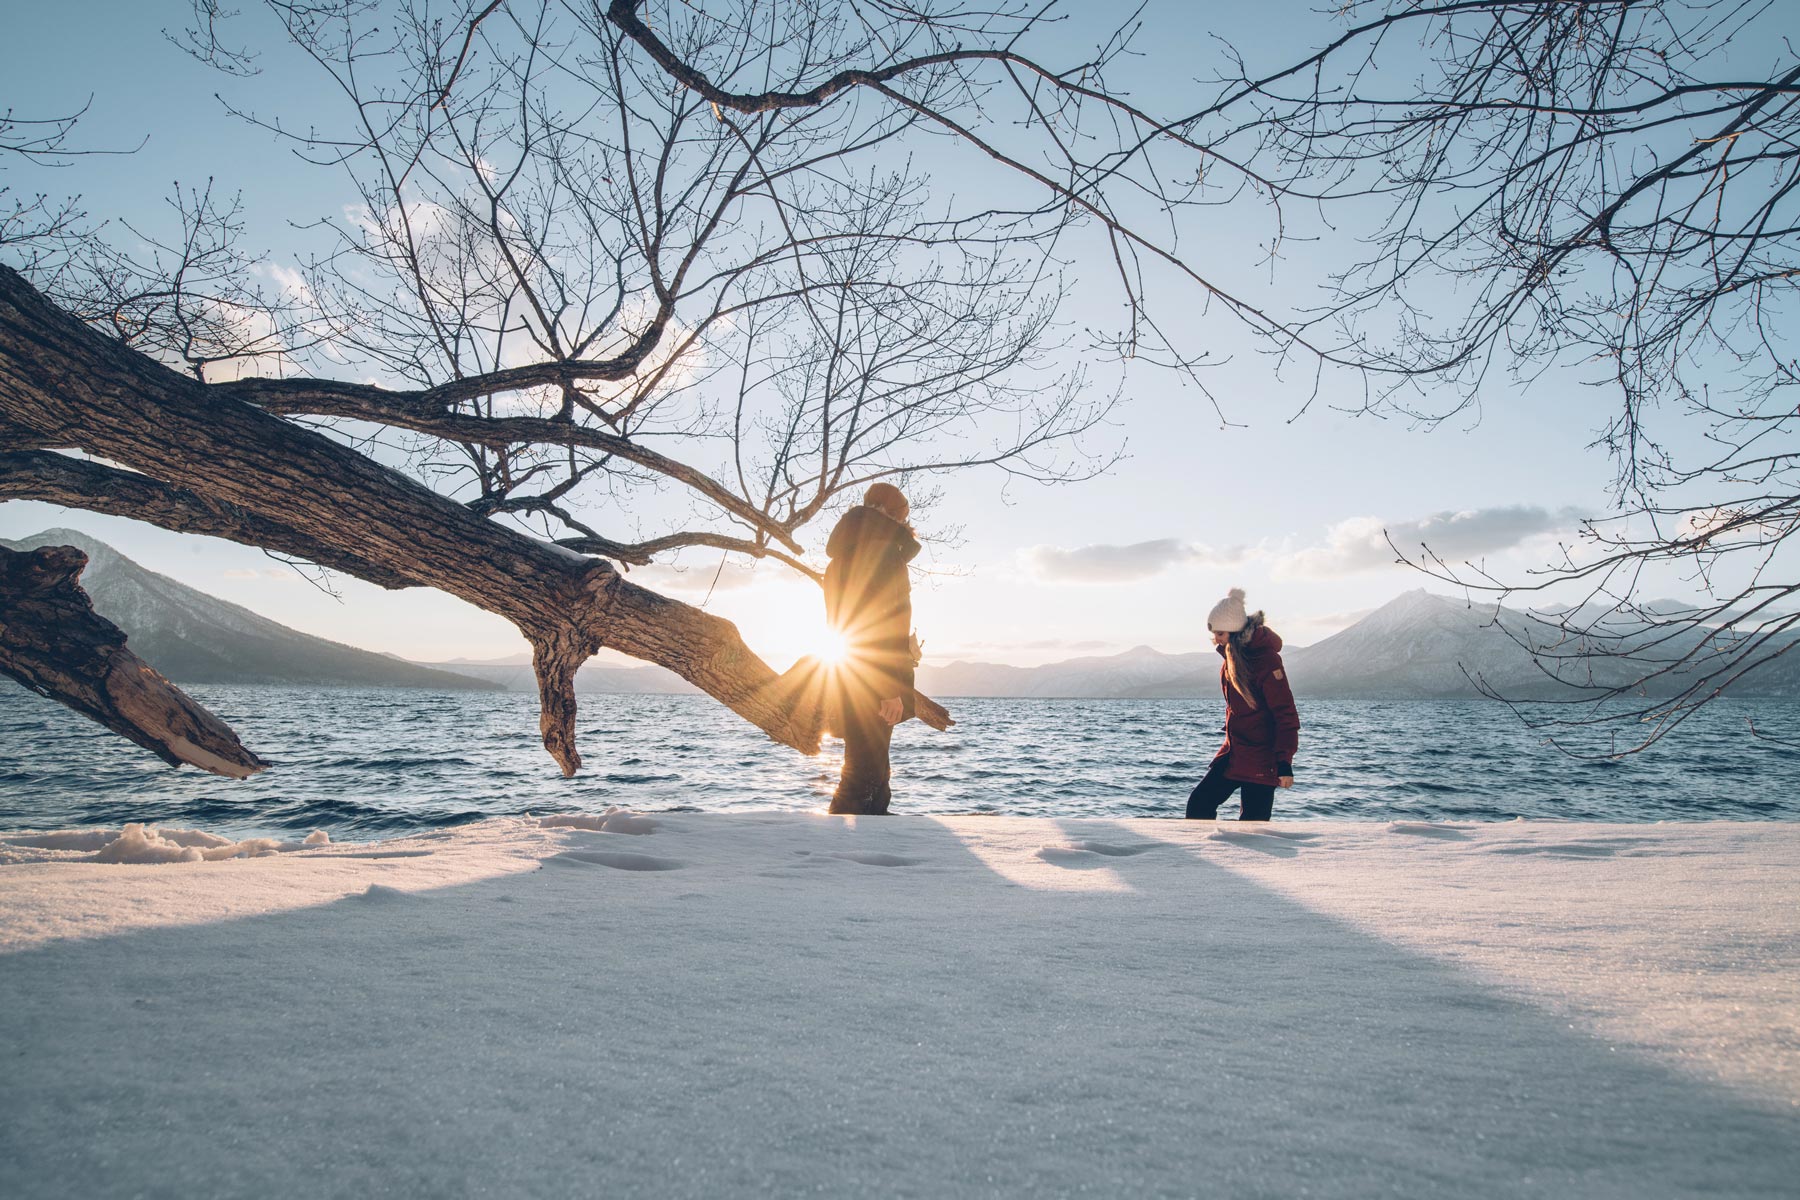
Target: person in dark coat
(1262, 727)
(868, 601)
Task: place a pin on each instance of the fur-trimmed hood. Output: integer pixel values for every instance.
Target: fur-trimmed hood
(1255, 639)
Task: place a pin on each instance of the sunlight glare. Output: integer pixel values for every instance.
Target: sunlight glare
(831, 647)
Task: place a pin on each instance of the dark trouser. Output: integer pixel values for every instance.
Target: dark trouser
(863, 786)
(1215, 789)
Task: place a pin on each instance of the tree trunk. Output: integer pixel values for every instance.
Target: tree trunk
(53, 642)
(65, 386)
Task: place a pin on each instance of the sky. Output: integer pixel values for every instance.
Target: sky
(1295, 507)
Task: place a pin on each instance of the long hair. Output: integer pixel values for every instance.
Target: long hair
(1236, 671)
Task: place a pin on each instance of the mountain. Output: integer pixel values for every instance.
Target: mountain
(1417, 646)
(1420, 644)
(1414, 647)
(515, 675)
(1424, 646)
(195, 638)
(1096, 676)
(1093, 676)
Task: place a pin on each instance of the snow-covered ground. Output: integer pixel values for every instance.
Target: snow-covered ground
(777, 1004)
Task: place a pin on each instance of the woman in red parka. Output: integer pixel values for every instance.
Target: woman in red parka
(1262, 728)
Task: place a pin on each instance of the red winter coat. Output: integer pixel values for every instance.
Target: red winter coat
(1262, 740)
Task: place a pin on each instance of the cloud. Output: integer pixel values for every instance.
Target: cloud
(1103, 563)
(1739, 525)
(1361, 543)
(1301, 631)
(1084, 644)
(252, 337)
(292, 283)
(666, 577)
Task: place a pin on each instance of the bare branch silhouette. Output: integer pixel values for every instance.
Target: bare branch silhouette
(1612, 188)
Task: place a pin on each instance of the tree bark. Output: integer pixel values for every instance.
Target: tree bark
(260, 477)
(78, 483)
(53, 642)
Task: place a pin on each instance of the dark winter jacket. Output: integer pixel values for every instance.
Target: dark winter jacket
(868, 598)
(1262, 740)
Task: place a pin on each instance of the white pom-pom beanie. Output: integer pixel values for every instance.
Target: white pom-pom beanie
(1228, 615)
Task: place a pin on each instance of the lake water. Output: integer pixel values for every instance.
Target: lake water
(361, 763)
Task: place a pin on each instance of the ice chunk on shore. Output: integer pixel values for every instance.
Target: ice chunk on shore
(74, 840)
(139, 842)
(613, 820)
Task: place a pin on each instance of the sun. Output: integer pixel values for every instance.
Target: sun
(830, 646)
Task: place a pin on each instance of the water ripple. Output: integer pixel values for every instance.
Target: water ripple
(364, 763)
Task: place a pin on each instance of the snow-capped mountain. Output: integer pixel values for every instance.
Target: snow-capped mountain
(1417, 646)
(1425, 646)
(515, 675)
(1094, 675)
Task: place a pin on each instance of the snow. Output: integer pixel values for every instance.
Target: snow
(140, 843)
(779, 1003)
(613, 820)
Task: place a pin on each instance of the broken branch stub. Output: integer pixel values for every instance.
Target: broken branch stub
(53, 642)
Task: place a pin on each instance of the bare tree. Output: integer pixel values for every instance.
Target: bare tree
(1611, 186)
(602, 252)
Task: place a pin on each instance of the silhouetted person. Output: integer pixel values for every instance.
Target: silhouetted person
(868, 599)
(1262, 727)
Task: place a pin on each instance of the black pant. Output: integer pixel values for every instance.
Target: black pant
(1203, 803)
(863, 786)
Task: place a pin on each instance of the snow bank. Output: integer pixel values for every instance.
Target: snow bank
(790, 1003)
(87, 840)
(140, 843)
(613, 820)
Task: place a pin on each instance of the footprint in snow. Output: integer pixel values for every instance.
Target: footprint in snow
(378, 893)
(1085, 856)
(1270, 843)
(1586, 848)
(1073, 858)
(1113, 851)
(1286, 835)
(1425, 829)
(875, 860)
(618, 861)
(613, 820)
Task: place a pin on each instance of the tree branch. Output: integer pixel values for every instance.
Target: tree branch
(79, 483)
(68, 384)
(419, 412)
(53, 642)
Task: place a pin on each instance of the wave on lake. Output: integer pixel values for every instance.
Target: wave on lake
(361, 763)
